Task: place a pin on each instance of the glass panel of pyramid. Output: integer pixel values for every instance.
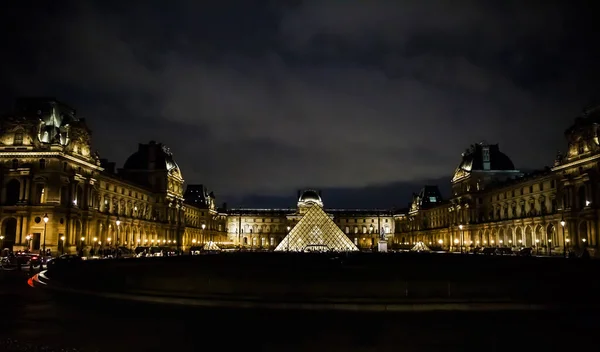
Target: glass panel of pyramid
(316, 231)
(211, 246)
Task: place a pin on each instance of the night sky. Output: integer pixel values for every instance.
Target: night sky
(366, 100)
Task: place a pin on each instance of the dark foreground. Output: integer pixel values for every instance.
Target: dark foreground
(34, 316)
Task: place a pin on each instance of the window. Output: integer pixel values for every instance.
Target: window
(40, 193)
(15, 164)
(42, 164)
(18, 140)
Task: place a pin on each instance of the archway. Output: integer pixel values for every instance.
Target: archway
(552, 236)
(518, 241)
(540, 239)
(9, 231)
(528, 236)
(502, 240)
(77, 233)
(477, 240)
(13, 191)
(511, 238)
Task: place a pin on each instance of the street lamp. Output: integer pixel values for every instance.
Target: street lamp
(562, 224)
(44, 242)
(118, 222)
(1, 242)
(28, 238)
(62, 246)
(462, 238)
(203, 227)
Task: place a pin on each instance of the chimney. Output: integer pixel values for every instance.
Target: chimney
(485, 154)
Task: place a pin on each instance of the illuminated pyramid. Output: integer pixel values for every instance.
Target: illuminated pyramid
(211, 246)
(316, 232)
(420, 247)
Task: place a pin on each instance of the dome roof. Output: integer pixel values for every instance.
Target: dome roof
(473, 160)
(152, 156)
(310, 196)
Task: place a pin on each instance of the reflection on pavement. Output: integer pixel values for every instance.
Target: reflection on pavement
(90, 325)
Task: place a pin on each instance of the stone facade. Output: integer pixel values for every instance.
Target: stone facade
(266, 228)
(49, 172)
(494, 205)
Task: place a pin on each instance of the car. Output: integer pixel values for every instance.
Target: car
(64, 260)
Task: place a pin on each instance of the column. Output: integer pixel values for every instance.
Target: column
(26, 196)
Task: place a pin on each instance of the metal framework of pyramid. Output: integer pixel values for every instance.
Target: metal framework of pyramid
(420, 247)
(211, 246)
(316, 232)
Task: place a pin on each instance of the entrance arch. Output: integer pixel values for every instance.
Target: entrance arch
(518, 237)
(551, 236)
(528, 236)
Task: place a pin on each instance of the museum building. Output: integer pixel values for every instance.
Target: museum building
(60, 195)
(495, 205)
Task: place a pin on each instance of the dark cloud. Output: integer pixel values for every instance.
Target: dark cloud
(331, 94)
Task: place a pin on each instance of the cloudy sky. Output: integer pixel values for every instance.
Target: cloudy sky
(265, 97)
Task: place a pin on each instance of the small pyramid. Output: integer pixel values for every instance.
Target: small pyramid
(420, 247)
(316, 232)
(211, 246)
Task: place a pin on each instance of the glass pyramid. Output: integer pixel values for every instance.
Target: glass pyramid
(316, 232)
(211, 246)
(420, 247)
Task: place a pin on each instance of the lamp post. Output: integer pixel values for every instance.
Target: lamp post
(44, 242)
(118, 222)
(81, 244)
(203, 236)
(62, 245)
(1, 243)
(28, 239)
(462, 238)
(562, 224)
